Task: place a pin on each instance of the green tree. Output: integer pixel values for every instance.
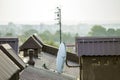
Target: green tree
(0, 33)
(27, 34)
(10, 29)
(97, 30)
(57, 36)
(30, 32)
(46, 35)
(52, 43)
(68, 38)
(117, 32)
(9, 34)
(111, 32)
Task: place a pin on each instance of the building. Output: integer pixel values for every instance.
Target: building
(8, 69)
(48, 57)
(13, 42)
(13, 68)
(31, 43)
(99, 58)
(10, 63)
(8, 50)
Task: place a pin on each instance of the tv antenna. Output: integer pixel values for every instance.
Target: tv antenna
(59, 21)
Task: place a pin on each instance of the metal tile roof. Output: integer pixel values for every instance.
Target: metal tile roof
(98, 46)
(6, 48)
(7, 67)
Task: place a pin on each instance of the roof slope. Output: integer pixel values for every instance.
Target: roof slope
(7, 67)
(30, 43)
(98, 46)
(31, 73)
(38, 39)
(6, 48)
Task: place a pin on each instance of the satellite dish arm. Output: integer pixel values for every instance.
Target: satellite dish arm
(80, 66)
(70, 65)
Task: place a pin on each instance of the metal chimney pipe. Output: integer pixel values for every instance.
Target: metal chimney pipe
(31, 55)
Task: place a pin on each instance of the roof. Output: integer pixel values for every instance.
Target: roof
(7, 67)
(7, 49)
(53, 51)
(32, 73)
(13, 42)
(38, 39)
(35, 42)
(98, 46)
(30, 43)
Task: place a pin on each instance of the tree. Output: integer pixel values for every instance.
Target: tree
(97, 30)
(9, 34)
(27, 34)
(10, 29)
(117, 32)
(46, 35)
(57, 36)
(111, 32)
(30, 32)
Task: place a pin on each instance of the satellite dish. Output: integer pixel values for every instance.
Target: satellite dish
(61, 57)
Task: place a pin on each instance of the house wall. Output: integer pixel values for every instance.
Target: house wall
(25, 52)
(15, 76)
(100, 68)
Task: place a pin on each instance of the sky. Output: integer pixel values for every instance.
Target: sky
(72, 11)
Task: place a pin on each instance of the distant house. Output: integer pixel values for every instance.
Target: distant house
(99, 58)
(32, 43)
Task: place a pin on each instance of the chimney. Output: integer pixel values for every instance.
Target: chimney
(31, 62)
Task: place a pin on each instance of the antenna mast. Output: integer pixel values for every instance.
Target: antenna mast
(59, 21)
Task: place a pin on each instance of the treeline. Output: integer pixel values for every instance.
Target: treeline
(25, 31)
(98, 30)
(48, 37)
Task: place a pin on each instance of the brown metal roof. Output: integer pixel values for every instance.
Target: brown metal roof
(32, 73)
(6, 48)
(7, 67)
(30, 43)
(38, 39)
(98, 46)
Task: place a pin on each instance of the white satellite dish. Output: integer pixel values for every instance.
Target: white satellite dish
(61, 57)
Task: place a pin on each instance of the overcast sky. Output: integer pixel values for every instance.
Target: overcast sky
(73, 11)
